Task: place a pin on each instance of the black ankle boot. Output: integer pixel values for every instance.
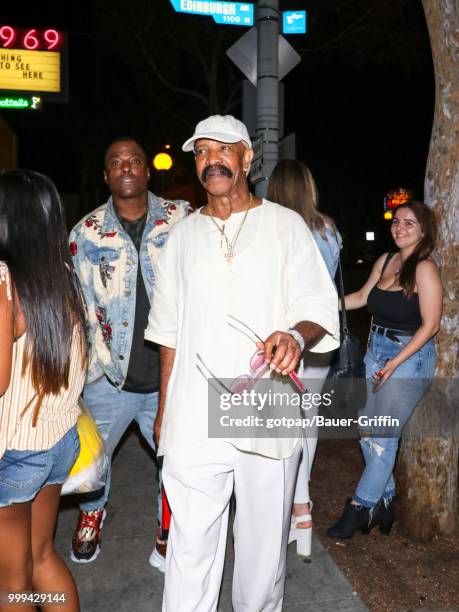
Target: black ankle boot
(353, 518)
(383, 516)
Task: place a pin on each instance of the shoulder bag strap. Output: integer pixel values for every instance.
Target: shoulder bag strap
(341, 287)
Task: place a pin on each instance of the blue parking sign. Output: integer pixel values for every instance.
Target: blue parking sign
(294, 22)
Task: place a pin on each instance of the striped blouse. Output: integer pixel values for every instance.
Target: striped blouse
(58, 413)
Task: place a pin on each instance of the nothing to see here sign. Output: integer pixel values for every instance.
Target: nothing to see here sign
(24, 70)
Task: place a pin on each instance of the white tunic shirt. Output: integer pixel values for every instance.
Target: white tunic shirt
(276, 279)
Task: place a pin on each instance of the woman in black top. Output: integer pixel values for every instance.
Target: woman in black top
(404, 295)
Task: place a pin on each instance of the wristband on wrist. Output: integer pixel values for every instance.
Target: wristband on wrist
(298, 337)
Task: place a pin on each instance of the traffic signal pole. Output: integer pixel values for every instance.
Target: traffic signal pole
(267, 23)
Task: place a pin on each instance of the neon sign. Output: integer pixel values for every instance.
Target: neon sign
(15, 102)
(33, 60)
(396, 198)
(32, 39)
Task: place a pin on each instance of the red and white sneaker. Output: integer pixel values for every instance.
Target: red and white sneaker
(86, 538)
(158, 556)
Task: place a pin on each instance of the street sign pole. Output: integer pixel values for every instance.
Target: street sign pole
(267, 19)
(264, 57)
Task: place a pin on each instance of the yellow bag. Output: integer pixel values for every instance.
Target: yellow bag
(89, 470)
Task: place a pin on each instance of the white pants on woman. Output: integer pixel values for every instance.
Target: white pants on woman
(315, 369)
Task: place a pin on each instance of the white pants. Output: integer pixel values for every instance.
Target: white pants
(315, 369)
(199, 484)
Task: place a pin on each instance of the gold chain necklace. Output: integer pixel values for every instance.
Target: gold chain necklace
(231, 244)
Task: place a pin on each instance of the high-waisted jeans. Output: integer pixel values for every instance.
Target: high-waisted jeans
(397, 398)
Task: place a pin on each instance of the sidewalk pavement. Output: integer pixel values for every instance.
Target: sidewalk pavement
(121, 580)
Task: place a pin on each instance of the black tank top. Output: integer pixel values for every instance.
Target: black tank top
(393, 309)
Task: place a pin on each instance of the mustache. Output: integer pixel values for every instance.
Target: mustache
(220, 167)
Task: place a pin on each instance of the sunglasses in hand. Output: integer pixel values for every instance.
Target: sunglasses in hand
(257, 366)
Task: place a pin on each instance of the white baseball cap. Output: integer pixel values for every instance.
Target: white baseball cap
(224, 128)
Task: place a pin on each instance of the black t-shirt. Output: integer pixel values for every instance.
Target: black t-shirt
(143, 370)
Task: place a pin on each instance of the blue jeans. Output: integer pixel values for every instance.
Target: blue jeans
(397, 398)
(23, 473)
(113, 412)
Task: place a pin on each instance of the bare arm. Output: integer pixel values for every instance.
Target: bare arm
(6, 329)
(311, 332)
(167, 356)
(358, 299)
(430, 293)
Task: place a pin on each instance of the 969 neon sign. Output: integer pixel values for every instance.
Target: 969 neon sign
(34, 60)
(31, 39)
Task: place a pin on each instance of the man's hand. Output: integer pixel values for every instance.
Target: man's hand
(282, 352)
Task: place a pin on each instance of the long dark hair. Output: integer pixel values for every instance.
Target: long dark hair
(34, 245)
(292, 185)
(426, 217)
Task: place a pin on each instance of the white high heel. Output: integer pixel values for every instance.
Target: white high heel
(303, 536)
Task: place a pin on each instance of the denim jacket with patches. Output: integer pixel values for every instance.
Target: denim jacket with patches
(106, 261)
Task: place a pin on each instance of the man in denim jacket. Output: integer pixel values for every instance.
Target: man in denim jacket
(123, 376)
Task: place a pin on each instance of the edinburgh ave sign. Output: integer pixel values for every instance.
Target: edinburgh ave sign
(228, 13)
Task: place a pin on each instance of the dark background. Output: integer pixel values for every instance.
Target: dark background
(360, 102)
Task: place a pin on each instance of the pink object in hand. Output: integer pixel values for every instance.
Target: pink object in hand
(258, 368)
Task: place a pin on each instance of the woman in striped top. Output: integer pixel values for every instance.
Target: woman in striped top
(42, 370)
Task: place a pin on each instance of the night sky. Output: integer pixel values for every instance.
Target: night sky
(360, 102)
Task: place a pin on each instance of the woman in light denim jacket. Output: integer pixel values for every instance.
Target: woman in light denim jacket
(292, 185)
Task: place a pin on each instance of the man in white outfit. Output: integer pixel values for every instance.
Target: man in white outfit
(257, 261)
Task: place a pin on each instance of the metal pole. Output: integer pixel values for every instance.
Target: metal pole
(267, 18)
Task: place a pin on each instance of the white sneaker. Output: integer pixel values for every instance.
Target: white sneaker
(157, 560)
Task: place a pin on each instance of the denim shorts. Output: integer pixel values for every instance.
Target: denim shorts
(24, 473)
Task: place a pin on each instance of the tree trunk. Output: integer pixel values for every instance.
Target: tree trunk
(427, 471)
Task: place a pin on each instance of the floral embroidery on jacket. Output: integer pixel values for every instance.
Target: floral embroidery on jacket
(109, 284)
(105, 325)
(73, 248)
(93, 221)
(5, 279)
(105, 270)
(169, 208)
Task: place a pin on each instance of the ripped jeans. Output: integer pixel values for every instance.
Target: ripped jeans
(397, 398)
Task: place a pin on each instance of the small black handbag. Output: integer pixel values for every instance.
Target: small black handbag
(347, 371)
